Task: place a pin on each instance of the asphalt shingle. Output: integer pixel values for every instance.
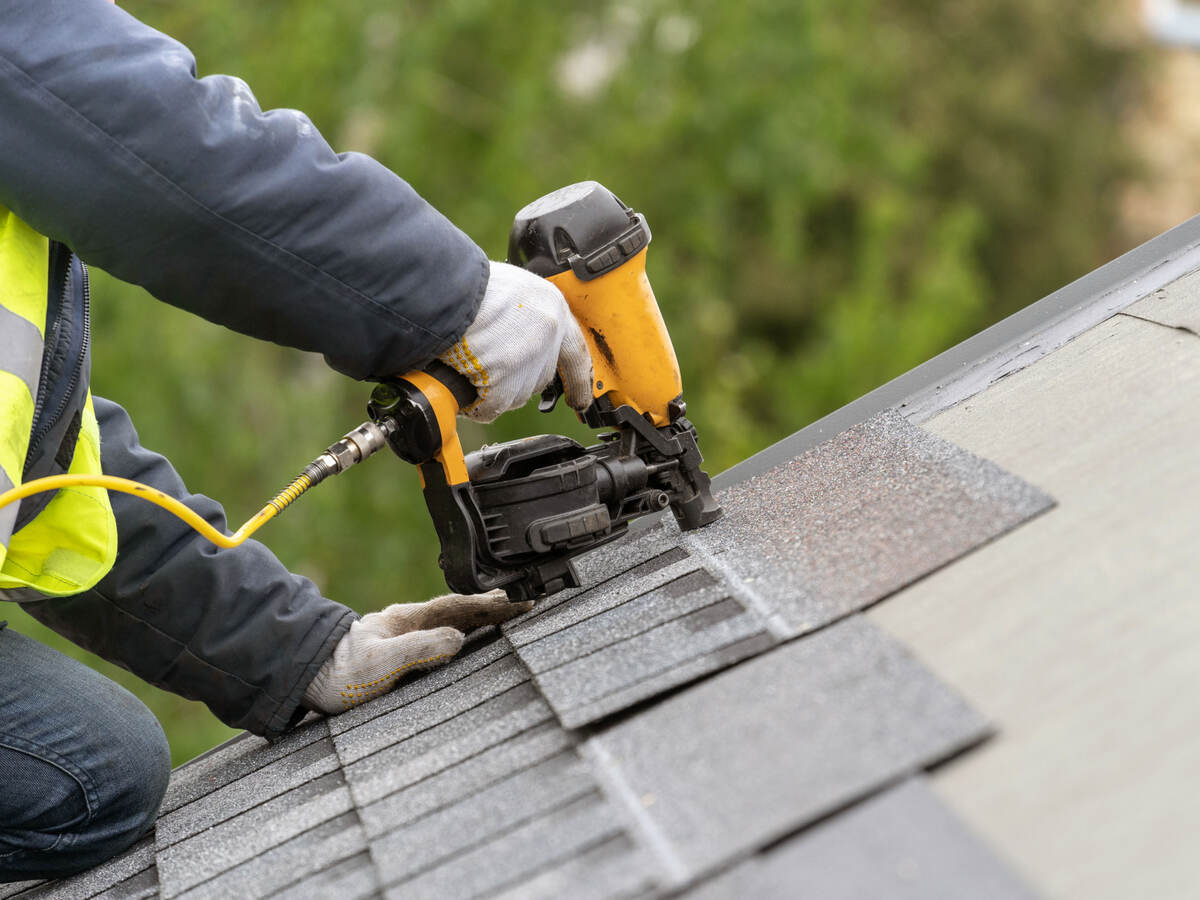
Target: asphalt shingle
(201, 858)
(13, 888)
(527, 795)
(142, 886)
(234, 760)
(614, 867)
(441, 746)
(351, 879)
(813, 540)
(411, 719)
(764, 748)
(901, 844)
(310, 762)
(132, 874)
(514, 855)
(482, 648)
(293, 862)
(506, 773)
(638, 667)
(859, 517)
(464, 778)
(582, 626)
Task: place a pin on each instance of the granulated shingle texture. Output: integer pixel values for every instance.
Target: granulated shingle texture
(815, 539)
(696, 716)
(780, 741)
(293, 863)
(861, 516)
(252, 833)
(132, 875)
(901, 844)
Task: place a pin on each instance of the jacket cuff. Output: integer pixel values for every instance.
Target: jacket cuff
(278, 718)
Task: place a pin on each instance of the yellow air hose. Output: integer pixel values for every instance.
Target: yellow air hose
(353, 448)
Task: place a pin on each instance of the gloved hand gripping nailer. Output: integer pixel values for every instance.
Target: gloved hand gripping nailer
(513, 515)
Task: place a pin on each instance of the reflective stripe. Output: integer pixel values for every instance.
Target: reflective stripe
(20, 349)
(24, 269)
(8, 515)
(71, 541)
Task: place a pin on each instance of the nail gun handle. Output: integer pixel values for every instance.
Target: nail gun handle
(455, 382)
(424, 404)
(592, 247)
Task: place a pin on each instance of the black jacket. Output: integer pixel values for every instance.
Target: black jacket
(111, 145)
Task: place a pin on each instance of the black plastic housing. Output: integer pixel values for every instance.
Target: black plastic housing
(583, 227)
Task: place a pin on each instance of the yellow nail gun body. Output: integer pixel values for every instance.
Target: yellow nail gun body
(513, 515)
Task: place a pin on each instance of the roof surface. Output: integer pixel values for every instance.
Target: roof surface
(606, 744)
(712, 715)
(1082, 643)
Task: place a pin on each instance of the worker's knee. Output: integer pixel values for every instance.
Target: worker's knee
(68, 808)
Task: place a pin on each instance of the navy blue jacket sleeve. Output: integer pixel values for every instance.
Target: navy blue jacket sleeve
(111, 145)
(231, 628)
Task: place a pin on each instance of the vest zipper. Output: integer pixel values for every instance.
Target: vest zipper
(35, 439)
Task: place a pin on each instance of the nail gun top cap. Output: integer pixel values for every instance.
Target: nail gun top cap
(583, 227)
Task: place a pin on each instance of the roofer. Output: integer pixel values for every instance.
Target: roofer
(115, 151)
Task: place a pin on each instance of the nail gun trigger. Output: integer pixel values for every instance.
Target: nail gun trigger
(550, 395)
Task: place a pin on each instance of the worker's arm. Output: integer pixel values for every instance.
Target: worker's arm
(182, 185)
(232, 628)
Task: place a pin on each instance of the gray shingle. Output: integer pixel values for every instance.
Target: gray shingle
(234, 760)
(779, 741)
(653, 548)
(817, 538)
(13, 888)
(296, 860)
(519, 853)
(483, 648)
(350, 879)
(616, 867)
(634, 669)
(621, 586)
(463, 782)
(301, 767)
(634, 559)
(680, 674)
(588, 634)
(131, 864)
(446, 744)
(202, 857)
(463, 779)
(428, 711)
(859, 517)
(525, 796)
(901, 844)
(142, 886)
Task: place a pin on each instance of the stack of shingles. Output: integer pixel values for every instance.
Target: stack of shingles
(546, 762)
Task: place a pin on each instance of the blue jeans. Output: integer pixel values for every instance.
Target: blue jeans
(83, 763)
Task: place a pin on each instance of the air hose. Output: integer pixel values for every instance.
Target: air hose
(356, 446)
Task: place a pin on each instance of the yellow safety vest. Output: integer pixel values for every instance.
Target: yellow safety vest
(72, 543)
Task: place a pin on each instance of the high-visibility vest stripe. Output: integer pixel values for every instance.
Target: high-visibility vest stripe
(71, 543)
(8, 515)
(24, 265)
(20, 349)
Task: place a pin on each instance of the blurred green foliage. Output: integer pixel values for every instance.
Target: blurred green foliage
(837, 193)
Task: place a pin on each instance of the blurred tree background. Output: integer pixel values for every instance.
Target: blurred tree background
(837, 193)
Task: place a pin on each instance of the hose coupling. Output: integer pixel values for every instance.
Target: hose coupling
(357, 445)
(352, 449)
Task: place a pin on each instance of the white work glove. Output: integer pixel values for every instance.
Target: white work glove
(522, 332)
(382, 647)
